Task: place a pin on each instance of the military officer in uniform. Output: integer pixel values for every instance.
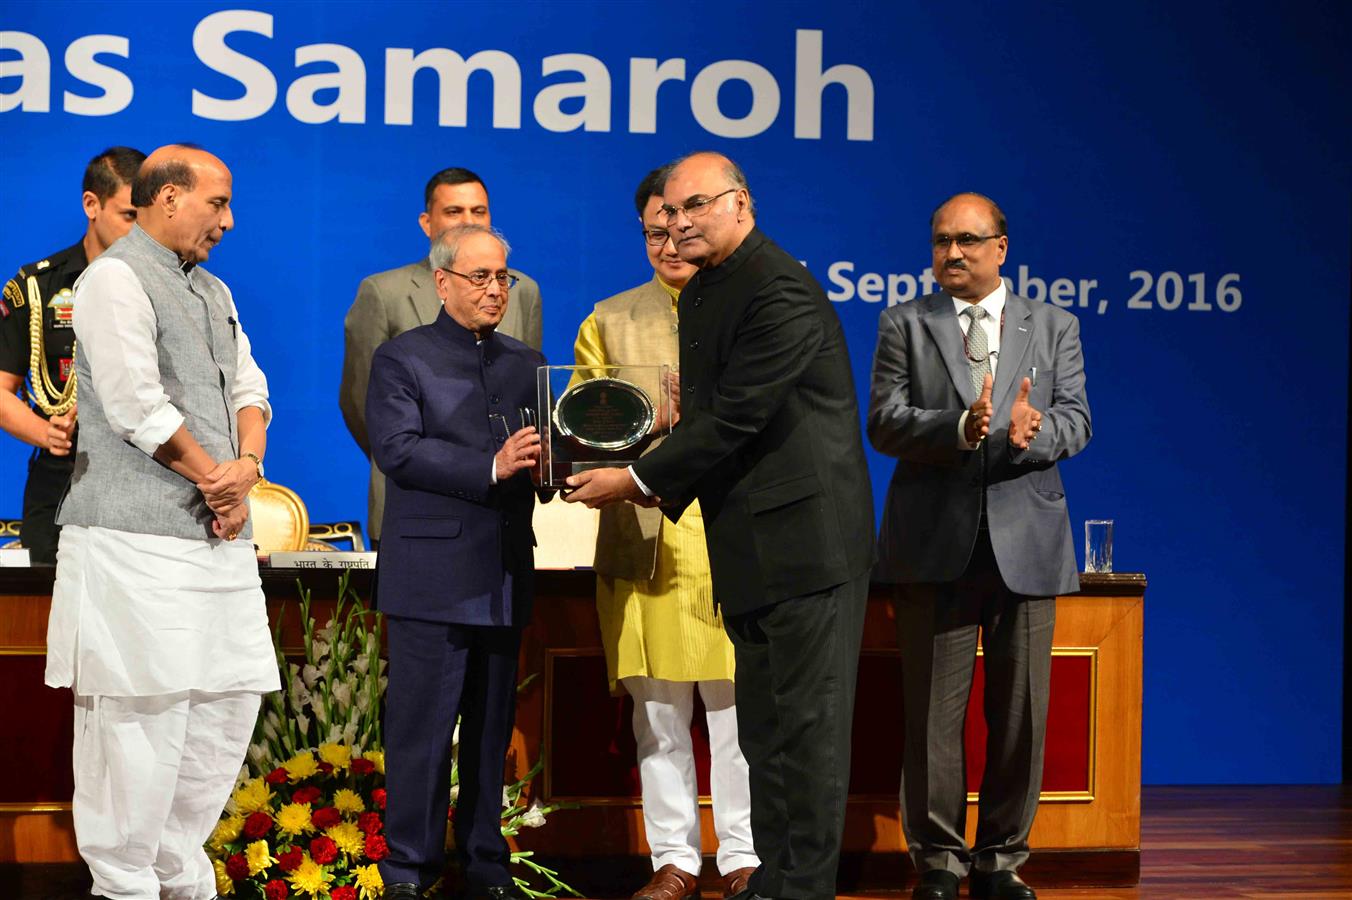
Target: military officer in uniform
(37, 352)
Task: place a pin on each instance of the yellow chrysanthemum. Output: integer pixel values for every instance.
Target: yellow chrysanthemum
(258, 857)
(346, 801)
(310, 878)
(252, 796)
(369, 882)
(223, 883)
(377, 757)
(302, 765)
(227, 831)
(337, 755)
(294, 819)
(349, 838)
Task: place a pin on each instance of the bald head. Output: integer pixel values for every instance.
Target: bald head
(706, 233)
(183, 197)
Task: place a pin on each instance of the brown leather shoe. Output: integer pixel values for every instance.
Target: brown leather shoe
(735, 881)
(669, 883)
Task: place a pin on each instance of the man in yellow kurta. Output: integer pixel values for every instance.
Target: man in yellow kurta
(662, 635)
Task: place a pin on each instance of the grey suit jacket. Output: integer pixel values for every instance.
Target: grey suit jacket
(921, 385)
(388, 304)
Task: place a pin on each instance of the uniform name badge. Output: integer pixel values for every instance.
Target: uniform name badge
(598, 416)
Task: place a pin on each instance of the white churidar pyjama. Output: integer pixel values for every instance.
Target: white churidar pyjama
(662, 714)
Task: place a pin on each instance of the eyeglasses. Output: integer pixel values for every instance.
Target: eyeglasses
(655, 237)
(692, 208)
(966, 240)
(480, 278)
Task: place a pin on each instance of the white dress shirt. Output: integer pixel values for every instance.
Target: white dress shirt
(994, 305)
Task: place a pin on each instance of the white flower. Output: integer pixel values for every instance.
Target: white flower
(309, 674)
(350, 732)
(342, 694)
(455, 792)
(294, 668)
(257, 753)
(270, 730)
(335, 735)
(319, 649)
(363, 702)
(302, 724)
(326, 633)
(533, 817)
(507, 802)
(361, 664)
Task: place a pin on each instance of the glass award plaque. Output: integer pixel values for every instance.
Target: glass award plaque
(595, 416)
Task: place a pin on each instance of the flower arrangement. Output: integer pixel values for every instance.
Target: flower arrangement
(307, 817)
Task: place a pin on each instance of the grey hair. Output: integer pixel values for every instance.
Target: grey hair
(446, 245)
(733, 172)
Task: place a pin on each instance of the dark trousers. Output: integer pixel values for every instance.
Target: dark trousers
(439, 671)
(937, 627)
(48, 477)
(796, 667)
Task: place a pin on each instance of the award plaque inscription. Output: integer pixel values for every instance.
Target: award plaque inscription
(593, 416)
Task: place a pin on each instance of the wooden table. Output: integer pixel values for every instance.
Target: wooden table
(1087, 829)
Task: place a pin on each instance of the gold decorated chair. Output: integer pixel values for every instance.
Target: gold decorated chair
(9, 534)
(280, 520)
(336, 536)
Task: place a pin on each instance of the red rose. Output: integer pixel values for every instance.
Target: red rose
(307, 794)
(237, 867)
(323, 850)
(343, 892)
(369, 823)
(275, 889)
(378, 798)
(276, 776)
(290, 860)
(362, 766)
(376, 848)
(257, 825)
(326, 768)
(326, 817)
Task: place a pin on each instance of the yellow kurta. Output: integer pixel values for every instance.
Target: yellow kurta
(665, 627)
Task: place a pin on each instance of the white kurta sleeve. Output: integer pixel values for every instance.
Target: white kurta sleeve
(251, 385)
(115, 331)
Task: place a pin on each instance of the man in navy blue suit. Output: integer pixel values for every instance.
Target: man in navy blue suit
(456, 563)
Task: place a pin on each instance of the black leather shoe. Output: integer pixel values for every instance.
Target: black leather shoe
(1001, 885)
(936, 884)
(402, 890)
(497, 892)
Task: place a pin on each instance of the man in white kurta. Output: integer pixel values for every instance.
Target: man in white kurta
(158, 621)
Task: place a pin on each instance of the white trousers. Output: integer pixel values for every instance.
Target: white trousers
(152, 775)
(666, 768)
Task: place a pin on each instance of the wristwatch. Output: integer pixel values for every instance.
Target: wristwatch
(256, 461)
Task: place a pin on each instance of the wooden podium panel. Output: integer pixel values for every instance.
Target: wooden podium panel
(1090, 802)
(1091, 792)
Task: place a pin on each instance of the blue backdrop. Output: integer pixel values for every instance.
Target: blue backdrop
(1183, 166)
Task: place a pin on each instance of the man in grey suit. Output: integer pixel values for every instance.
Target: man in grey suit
(390, 303)
(978, 392)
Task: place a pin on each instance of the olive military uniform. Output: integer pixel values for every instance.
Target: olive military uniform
(47, 287)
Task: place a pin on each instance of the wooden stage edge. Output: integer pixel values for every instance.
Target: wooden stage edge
(1226, 842)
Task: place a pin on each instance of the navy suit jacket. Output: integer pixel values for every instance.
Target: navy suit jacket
(921, 386)
(454, 547)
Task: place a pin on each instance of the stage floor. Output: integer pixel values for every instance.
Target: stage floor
(1229, 843)
(1236, 843)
